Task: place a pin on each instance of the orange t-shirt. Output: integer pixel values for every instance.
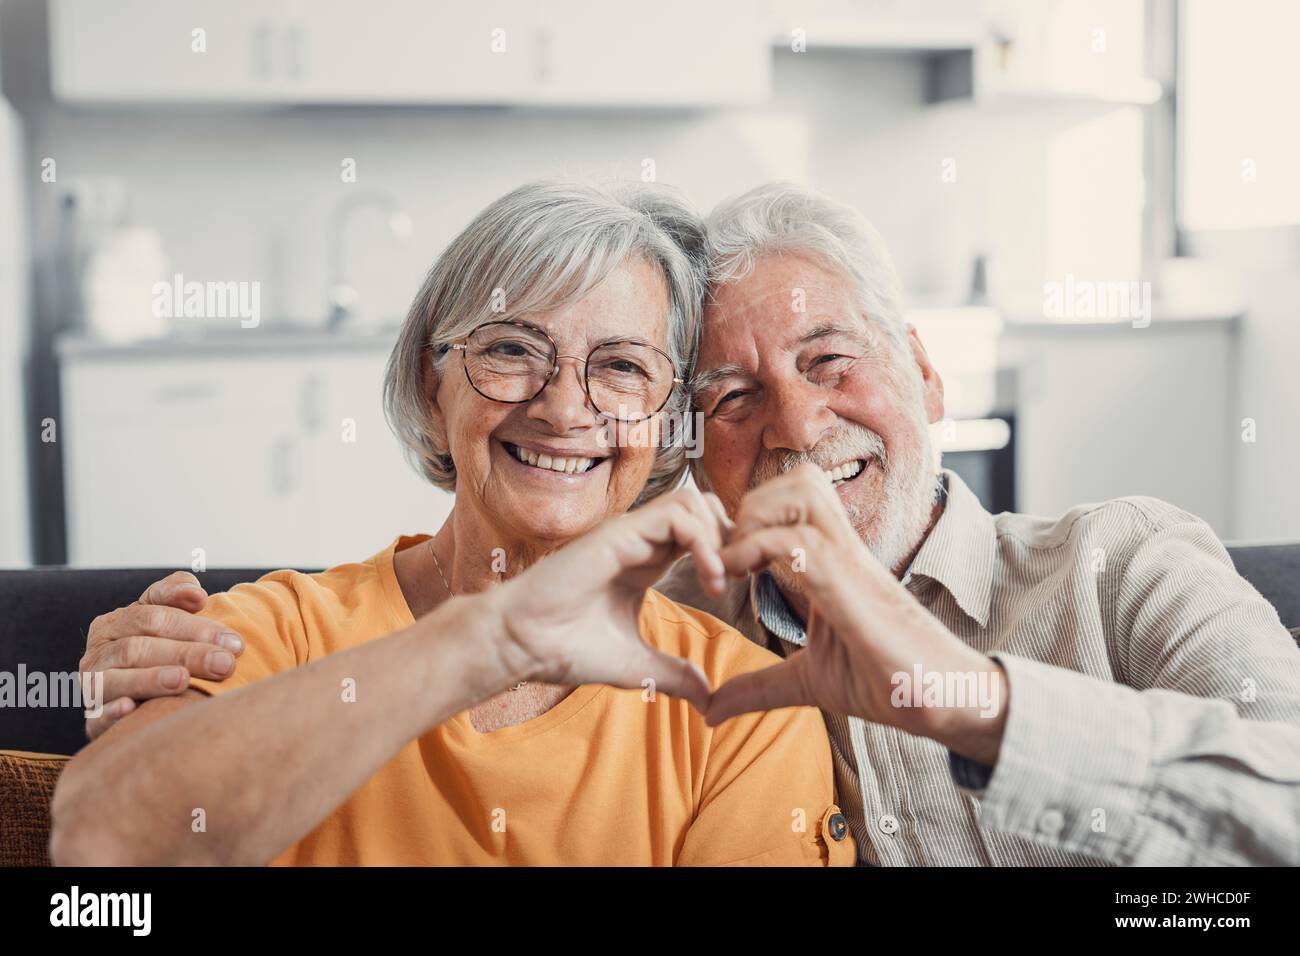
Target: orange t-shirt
(604, 778)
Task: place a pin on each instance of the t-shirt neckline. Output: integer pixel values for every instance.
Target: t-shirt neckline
(459, 727)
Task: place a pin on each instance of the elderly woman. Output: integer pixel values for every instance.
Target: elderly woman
(508, 690)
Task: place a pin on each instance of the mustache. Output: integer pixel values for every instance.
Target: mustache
(842, 445)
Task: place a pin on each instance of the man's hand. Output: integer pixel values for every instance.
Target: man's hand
(866, 634)
(573, 618)
(150, 648)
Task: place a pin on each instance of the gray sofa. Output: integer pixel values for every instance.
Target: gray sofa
(44, 613)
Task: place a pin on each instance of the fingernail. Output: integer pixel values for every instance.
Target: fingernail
(172, 677)
(231, 642)
(221, 662)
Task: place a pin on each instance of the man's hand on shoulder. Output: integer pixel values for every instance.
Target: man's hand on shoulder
(152, 647)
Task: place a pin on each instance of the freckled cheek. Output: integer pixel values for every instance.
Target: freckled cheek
(728, 460)
(878, 409)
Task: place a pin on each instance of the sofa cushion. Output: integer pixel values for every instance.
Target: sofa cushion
(26, 791)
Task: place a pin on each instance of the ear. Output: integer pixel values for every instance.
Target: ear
(931, 383)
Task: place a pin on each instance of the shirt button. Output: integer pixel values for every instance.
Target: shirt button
(838, 826)
(888, 824)
(1051, 823)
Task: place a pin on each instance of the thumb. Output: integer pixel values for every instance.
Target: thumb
(771, 688)
(180, 589)
(674, 676)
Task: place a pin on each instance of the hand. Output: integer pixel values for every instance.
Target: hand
(573, 618)
(866, 633)
(151, 647)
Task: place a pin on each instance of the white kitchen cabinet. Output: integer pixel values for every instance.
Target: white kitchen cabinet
(241, 454)
(514, 52)
(668, 53)
(144, 50)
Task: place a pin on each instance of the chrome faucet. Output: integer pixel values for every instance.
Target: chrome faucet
(343, 298)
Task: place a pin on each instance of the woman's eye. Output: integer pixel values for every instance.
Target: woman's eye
(624, 367)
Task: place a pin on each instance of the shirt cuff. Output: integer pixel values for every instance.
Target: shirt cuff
(1075, 755)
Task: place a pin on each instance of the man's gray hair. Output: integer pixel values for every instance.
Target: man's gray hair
(784, 218)
(540, 247)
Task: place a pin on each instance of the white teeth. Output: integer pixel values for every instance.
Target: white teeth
(843, 472)
(568, 466)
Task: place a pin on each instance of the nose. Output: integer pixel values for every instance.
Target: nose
(563, 403)
(798, 417)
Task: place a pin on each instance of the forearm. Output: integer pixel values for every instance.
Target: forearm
(1152, 777)
(267, 763)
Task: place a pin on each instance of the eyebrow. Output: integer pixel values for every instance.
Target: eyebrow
(822, 331)
(632, 339)
(710, 378)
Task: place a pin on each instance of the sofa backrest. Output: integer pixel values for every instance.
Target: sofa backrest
(44, 614)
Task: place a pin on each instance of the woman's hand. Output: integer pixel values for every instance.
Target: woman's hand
(573, 617)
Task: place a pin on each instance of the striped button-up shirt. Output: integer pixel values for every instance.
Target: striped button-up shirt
(1153, 709)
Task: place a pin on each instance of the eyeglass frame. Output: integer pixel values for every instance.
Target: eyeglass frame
(555, 367)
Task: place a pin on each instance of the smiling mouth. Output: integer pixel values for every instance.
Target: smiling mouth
(570, 465)
(844, 473)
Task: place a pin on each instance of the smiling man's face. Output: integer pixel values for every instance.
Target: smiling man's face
(791, 370)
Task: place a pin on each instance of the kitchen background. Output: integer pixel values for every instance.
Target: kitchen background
(1018, 156)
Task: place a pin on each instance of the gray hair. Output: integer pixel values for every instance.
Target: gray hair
(542, 246)
(781, 217)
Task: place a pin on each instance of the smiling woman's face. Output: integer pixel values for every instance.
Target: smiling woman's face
(530, 504)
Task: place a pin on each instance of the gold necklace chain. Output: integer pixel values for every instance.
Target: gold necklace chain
(451, 593)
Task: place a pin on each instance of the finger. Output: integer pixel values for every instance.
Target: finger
(166, 622)
(674, 676)
(179, 589)
(801, 496)
(771, 688)
(145, 683)
(701, 540)
(113, 712)
(757, 550)
(685, 526)
(143, 651)
(716, 506)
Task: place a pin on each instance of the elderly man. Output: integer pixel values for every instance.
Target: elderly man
(1100, 687)
(1097, 687)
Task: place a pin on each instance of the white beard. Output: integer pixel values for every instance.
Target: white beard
(895, 528)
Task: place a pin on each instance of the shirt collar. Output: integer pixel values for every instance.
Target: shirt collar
(960, 549)
(958, 553)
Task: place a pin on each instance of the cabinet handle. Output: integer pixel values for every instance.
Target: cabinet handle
(293, 48)
(185, 393)
(282, 450)
(543, 43)
(311, 403)
(261, 50)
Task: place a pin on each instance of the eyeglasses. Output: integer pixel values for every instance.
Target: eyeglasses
(512, 362)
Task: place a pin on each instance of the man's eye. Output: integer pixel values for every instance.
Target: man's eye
(734, 393)
(822, 359)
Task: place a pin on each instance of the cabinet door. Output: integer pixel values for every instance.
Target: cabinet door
(668, 53)
(366, 492)
(165, 456)
(398, 51)
(145, 50)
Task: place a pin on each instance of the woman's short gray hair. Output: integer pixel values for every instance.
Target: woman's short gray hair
(538, 248)
(781, 217)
